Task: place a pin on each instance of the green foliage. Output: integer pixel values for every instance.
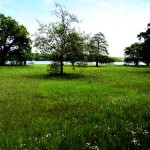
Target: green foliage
(75, 47)
(117, 59)
(53, 68)
(93, 108)
(97, 48)
(14, 41)
(42, 57)
(133, 53)
(139, 51)
(63, 43)
(82, 64)
(60, 38)
(145, 53)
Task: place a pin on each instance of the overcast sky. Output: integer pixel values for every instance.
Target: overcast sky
(119, 20)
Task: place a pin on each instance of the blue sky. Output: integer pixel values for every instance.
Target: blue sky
(119, 20)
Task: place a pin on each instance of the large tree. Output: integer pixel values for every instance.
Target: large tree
(133, 53)
(98, 47)
(59, 38)
(146, 45)
(14, 40)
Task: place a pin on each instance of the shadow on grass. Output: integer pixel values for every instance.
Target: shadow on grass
(145, 72)
(66, 76)
(134, 66)
(9, 65)
(140, 67)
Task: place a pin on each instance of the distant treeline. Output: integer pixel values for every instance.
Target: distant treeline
(51, 57)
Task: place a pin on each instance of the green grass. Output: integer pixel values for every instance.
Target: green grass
(90, 108)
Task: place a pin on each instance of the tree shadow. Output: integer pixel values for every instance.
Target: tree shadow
(16, 65)
(145, 72)
(68, 76)
(65, 76)
(140, 67)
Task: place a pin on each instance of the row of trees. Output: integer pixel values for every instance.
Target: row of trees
(59, 40)
(64, 42)
(87, 58)
(139, 51)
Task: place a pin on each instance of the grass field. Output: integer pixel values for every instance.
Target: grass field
(104, 108)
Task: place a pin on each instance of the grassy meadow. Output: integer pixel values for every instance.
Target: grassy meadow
(87, 108)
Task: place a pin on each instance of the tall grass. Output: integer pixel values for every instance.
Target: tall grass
(90, 108)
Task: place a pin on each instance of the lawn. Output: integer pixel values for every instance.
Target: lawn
(87, 108)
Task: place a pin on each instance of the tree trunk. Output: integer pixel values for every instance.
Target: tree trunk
(136, 63)
(96, 62)
(147, 63)
(2, 62)
(61, 65)
(72, 63)
(25, 62)
(61, 68)
(97, 56)
(3, 57)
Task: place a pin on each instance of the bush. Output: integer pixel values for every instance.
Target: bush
(82, 64)
(54, 68)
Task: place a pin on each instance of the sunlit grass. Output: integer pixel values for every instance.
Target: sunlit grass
(89, 108)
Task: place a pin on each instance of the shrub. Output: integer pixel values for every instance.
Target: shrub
(53, 68)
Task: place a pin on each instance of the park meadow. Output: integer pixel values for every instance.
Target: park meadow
(98, 108)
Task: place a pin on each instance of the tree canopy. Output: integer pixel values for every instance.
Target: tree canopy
(145, 54)
(60, 38)
(137, 52)
(98, 47)
(133, 53)
(14, 40)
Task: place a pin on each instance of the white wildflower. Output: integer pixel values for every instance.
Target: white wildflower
(135, 141)
(145, 132)
(48, 135)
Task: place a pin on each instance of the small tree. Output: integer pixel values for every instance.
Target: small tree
(59, 38)
(133, 53)
(76, 47)
(14, 40)
(98, 47)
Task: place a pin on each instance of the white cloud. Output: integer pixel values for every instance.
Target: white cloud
(120, 21)
(86, 1)
(47, 2)
(4, 2)
(8, 1)
(1, 6)
(104, 5)
(28, 19)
